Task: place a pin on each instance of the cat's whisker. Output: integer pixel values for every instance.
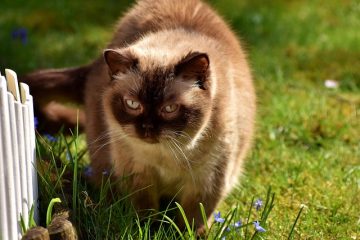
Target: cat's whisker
(181, 138)
(179, 134)
(172, 148)
(103, 136)
(186, 160)
(183, 134)
(112, 139)
(179, 145)
(176, 160)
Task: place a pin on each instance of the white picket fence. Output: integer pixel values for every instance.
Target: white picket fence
(18, 178)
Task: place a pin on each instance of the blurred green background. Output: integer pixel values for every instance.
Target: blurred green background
(307, 146)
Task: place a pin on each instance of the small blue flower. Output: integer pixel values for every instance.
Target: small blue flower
(258, 228)
(21, 34)
(36, 122)
(88, 171)
(237, 224)
(218, 218)
(50, 138)
(258, 204)
(105, 173)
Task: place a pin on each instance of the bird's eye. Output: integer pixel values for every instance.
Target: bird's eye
(134, 105)
(171, 108)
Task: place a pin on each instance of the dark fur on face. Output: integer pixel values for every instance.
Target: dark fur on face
(184, 85)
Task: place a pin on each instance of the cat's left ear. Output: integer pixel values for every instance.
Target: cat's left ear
(195, 66)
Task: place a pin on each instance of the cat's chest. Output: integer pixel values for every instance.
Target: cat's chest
(169, 168)
(163, 162)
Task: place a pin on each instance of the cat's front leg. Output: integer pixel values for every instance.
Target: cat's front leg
(143, 193)
(135, 180)
(190, 202)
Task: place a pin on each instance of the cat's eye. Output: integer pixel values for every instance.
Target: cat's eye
(171, 108)
(134, 105)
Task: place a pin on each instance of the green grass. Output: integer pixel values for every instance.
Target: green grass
(307, 146)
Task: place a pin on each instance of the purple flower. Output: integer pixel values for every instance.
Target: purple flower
(88, 171)
(21, 34)
(218, 218)
(237, 224)
(50, 138)
(258, 228)
(36, 122)
(258, 204)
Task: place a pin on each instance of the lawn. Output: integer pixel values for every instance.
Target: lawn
(307, 146)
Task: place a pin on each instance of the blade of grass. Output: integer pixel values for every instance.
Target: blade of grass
(254, 235)
(268, 210)
(175, 226)
(75, 174)
(203, 215)
(22, 224)
(31, 223)
(296, 220)
(248, 217)
(166, 210)
(268, 194)
(189, 229)
(108, 225)
(49, 210)
(140, 231)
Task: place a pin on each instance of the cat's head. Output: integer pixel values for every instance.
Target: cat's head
(155, 102)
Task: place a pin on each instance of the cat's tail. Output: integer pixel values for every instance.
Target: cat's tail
(58, 96)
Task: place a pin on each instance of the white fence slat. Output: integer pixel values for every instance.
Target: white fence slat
(3, 213)
(16, 164)
(2, 186)
(7, 167)
(22, 160)
(28, 156)
(28, 101)
(24, 90)
(12, 83)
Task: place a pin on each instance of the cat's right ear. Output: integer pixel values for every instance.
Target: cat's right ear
(195, 66)
(119, 62)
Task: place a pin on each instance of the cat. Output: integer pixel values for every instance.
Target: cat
(170, 105)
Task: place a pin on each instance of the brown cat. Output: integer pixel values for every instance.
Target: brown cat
(171, 104)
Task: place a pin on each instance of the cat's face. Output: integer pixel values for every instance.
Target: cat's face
(160, 103)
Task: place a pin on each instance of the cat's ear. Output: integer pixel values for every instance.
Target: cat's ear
(119, 61)
(194, 66)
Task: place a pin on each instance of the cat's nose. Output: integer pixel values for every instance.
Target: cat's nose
(147, 125)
